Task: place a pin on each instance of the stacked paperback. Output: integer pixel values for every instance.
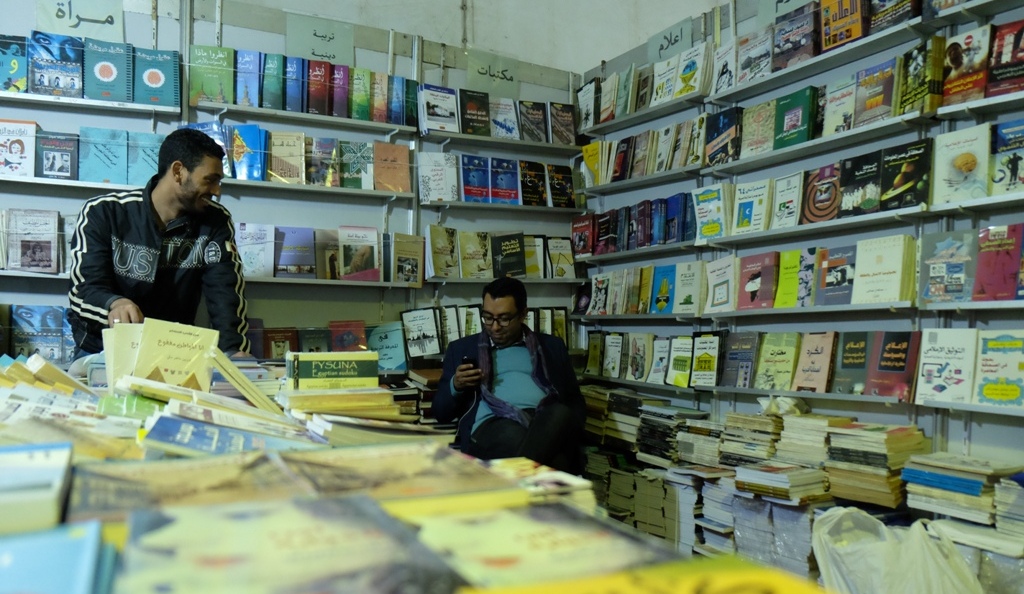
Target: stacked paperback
(957, 486)
(864, 461)
(749, 439)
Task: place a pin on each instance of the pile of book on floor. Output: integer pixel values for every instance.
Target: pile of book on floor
(718, 522)
(804, 438)
(596, 399)
(957, 486)
(684, 491)
(778, 480)
(749, 439)
(755, 538)
(700, 441)
(623, 421)
(656, 436)
(654, 505)
(1010, 506)
(864, 461)
(792, 526)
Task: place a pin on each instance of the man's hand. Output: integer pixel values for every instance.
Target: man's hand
(124, 311)
(467, 377)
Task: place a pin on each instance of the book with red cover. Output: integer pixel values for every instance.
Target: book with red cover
(339, 90)
(998, 262)
(318, 94)
(348, 335)
(1006, 60)
(965, 73)
(278, 341)
(583, 235)
(892, 366)
(759, 274)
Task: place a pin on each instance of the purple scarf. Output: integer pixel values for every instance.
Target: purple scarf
(499, 407)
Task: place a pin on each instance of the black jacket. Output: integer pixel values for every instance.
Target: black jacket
(117, 250)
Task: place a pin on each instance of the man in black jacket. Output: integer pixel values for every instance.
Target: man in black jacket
(513, 390)
(153, 252)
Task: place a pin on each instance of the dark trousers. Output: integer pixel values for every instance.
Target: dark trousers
(552, 439)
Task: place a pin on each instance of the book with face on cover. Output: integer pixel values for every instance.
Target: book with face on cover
(55, 64)
(965, 73)
(32, 240)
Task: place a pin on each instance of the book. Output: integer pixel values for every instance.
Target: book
(13, 63)
(836, 271)
(37, 478)
(411, 104)
(328, 258)
(338, 89)
(586, 100)
(850, 368)
(533, 121)
(876, 88)
(438, 175)
(102, 155)
(583, 235)
(905, 171)
(533, 184)
(439, 109)
(55, 64)
(560, 260)
(710, 204)
(249, 147)
(947, 270)
(663, 81)
(754, 55)
(312, 378)
(787, 200)
(18, 142)
(286, 162)
(560, 191)
(692, 73)
(946, 365)
(680, 361)
(958, 170)
(860, 181)
(391, 167)
(295, 79)
(721, 277)
(658, 296)
(997, 373)
(294, 252)
(840, 104)
(503, 186)
(814, 364)
(776, 360)
(1005, 60)
(443, 243)
(248, 77)
(211, 74)
(794, 117)
(422, 333)
(724, 67)
(508, 254)
(378, 96)
(320, 153)
(32, 242)
(965, 72)
(272, 81)
(690, 288)
(474, 112)
(1004, 164)
(758, 129)
(707, 358)
(841, 22)
(639, 349)
(504, 118)
(73, 548)
(795, 36)
(318, 87)
(562, 123)
(56, 155)
(475, 254)
(722, 137)
(758, 275)
(920, 77)
(407, 253)
(143, 156)
(821, 195)
(175, 354)
(998, 262)
(885, 269)
(740, 356)
(474, 175)
(892, 364)
(752, 207)
(255, 244)
(107, 70)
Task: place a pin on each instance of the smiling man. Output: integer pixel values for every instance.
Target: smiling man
(153, 252)
(513, 390)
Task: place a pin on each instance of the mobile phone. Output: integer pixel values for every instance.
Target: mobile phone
(469, 360)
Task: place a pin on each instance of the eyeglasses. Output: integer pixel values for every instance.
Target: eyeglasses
(488, 319)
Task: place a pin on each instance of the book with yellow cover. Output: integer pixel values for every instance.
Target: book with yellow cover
(334, 399)
(175, 353)
(331, 370)
(776, 360)
(120, 349)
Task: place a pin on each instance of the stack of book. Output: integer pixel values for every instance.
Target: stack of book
(656, 436)
(596, 398)
(598, 470)
(804, 438)
(718, 522)
(749, 439)
(623, 422)
(793, 526)
(796, 484)
(958, 486)
(1010, 506)
(621, 494)
(700, 441)
(864, 461)
(654, 504)
(755, 537)
(684, 492)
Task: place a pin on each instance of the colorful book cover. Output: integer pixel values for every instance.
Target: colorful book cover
(561, 193)
(533, 184)
(256, 247)
(842, 21)
(920, 77)
(286, 162)
(474, 175)
(103, 155)
(707, 358)
(662, 290)
(721, 281)
(248, 76)
(851, 364)
(71, 551)
(248, 151)
(157, 77)
(294, 252)
(55, 64)
(396, 100)
(143, 156)
(504, 182)
(13, 64)
(794, 116)
(999, 374)
(339, 90)
(965, 74)
(740, 359)
(314, 340)
(360, 253)
(814, 364)
(776, 360)
(295, 84)
(378, 97)
(108, 70)
(840, 104)
(1006, 62)
(583, 230)
(692, 74)
(412, 106)
(438, 177)
(948, 265)
(272, 82)
(959, 170)
(722, 140)
(892, 366)
(388, 341)
(57, 155)
(876, 87)
(796, 36)
(690, 288)
(1007, 155)
(475, 254)
(680, 361)
(751, 206)
(504, 118)
(533, 121)
(998, 262)
(318, 87)
(906, 169)
(754, 55)
(438, 109)
(474, 112)
(946, 365)
(835, 275)
(508, 254)
(203, 439)
(32, 240)
(211, 74)
(889, 13)
(758, 280)
(709, 209)
(354, 163)
(821, 195)
(758, 129)
(860, 180)
(787, 200)
(320, 152)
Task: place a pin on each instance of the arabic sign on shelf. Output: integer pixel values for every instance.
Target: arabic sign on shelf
(98, 19)
(492, 74)
(671, 41)
(319, 38)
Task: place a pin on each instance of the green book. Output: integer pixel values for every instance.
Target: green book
(273, 81)
(211, 74)
(794, 116)
(359, 96)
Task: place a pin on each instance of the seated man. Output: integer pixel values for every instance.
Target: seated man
(513, 390)
(153, 252)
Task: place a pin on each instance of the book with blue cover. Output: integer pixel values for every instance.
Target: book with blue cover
(143, 156)
(55, 64)
(504, 181)
(388, 341)
(13, 64)
(63, 559)
(157, 77)
(272, 83)
(108, 70)
(248, 151)
(248, 77)
(295, 84)
(475, 179)
(211, 74)
(396, 99)
(185, 437)
(662, 289)
(103, 155)
(294, 252)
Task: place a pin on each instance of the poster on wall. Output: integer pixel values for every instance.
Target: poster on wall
(98, 19)
(495, 75)
(318, 38)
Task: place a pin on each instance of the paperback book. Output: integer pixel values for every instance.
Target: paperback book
(946, 366)
(906, 169)
(947, 270)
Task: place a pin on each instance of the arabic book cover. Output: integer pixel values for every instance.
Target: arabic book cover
(411, 104)
(287, 159)
(320, 152)
(396, 100)
(1006, 60)
(443, 243)
(842, 22)
(740, 359)
(999, 375)
(338, 90)
(57, 155)
(822, 198)
(906, 169)
(958, 166)
(272, 82)
(814, 364)
(758, 128)
(378, 96)
(295, 252)
(474, 174)
(533, 121)
(211, 74)
(562, 123)
(1007, 155)
(391, 167)
(360, 253)
(946, 365)
(438, 177)
(55, 64)
(998, 263)
(504, 118)
(965, 73)
(108, 70)
(318, 87)
(794, 115)
(707, 358)
(248, 77)
(776, 360)
(886, 268)
(504, 182)
(796, 36)
(561, 193)
(508, 254)
(533, 183)
(438, 109)
(860, 182)
(475, 254)
(103, 155)
(295, 83)
(474, 112)
(758, 281)
(850, 368)
(948, 266)
(892, 365)
(143, 156)
(13, 63)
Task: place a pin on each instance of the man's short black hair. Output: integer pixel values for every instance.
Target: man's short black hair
(507, 286)
(189, 146)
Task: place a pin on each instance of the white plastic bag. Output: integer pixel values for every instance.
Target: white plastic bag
(932, 565)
